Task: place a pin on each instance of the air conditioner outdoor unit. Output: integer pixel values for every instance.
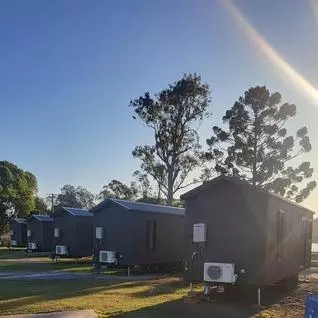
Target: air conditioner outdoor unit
(13, 243)
(61, 250)
(219, 272)
(32, 246)
(56, 232)
(108, 257)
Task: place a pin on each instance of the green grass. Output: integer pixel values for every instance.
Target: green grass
(156, 299)
(105, 297)
(129, 299)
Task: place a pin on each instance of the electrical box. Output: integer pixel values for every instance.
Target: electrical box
(29, 233)
(99, 233)
(56, 232)
(199, 233)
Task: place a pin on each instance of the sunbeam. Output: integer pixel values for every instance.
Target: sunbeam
(257, 39)
(314, 5)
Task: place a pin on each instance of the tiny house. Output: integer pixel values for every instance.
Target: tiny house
(131, 233)
(18, 233)
(40, 233)
(73, 232)
(239, 234)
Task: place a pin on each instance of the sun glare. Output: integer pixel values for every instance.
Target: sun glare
(287, 71)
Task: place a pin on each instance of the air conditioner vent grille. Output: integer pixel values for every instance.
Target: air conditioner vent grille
(215, 272)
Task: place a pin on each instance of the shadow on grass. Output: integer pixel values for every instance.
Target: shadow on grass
(179, 309)
(234, 304)
(19, 293)
(160, 288)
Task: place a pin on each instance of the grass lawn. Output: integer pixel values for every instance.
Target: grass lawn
(130, 299)
(156, 299)
(19, 260)
(105, 297)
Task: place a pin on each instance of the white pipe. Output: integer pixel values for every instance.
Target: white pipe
(191, 286)
(128, 271)
(258, 296)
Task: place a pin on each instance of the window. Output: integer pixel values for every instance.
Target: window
(306, 241)
(151, 235)
(279, 221)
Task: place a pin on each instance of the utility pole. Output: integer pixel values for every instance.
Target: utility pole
(52, 195)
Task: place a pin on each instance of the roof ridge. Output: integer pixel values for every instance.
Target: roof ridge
(146, 203)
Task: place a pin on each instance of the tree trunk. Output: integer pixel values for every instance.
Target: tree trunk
(254, 172)
(170, 187)
(159, 193)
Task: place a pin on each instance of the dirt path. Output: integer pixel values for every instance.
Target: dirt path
(49, 275)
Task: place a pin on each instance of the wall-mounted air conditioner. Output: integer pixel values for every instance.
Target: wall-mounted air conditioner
(32, 246)
(108, 257)
(99, 231)
(219, 272)
(29, 233)
(13, 243)
(61, 250)
(56, 232)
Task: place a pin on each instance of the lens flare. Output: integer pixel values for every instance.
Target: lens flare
(314, 5)
(287, 71)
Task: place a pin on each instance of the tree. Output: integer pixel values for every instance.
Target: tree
(143, 183)
(40, 205)
(17, 192)
(75, 197)
(172, 115)
(118, 190)
(256, 146)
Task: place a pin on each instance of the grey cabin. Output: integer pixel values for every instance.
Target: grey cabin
(239, 234)
(131, 233)
(73, 232)
(18, 233)
(40, 233)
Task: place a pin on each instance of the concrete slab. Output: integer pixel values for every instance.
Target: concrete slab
(89, 313)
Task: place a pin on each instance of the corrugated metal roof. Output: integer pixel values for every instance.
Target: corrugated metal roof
(21, 221)
(78, 212)
(43, 217)
(148, 207)
(236, 180)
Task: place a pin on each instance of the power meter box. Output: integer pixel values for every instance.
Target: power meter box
(199, 233)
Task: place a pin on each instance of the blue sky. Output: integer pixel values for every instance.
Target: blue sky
(68, 70)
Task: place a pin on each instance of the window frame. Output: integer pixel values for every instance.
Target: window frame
(151, 235)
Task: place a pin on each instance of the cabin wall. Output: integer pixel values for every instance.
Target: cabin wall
(36, 228)
(19, 233)
(126, 233)
(42, 234)
(116, 222)
(47, 236)
(287, 251)
(68, 231)
(236, 230)
(84, 236)
(168, 238)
